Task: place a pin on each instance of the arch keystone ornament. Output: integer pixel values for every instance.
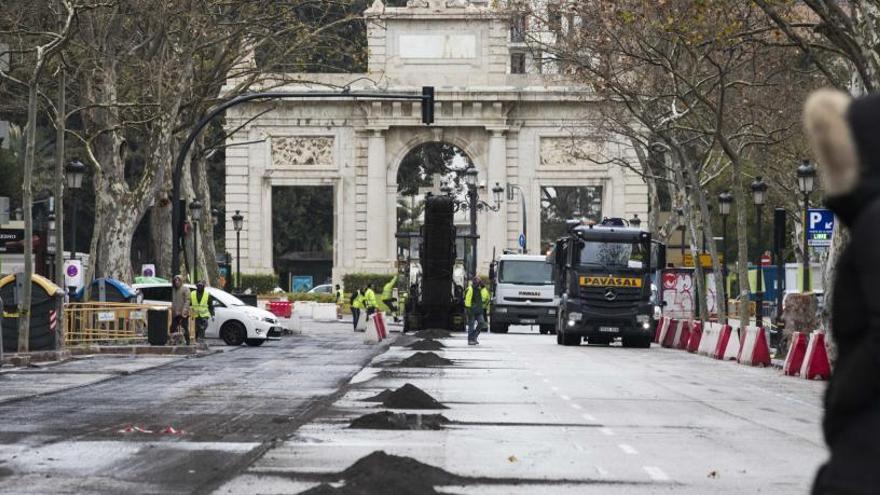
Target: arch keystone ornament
(528, 132)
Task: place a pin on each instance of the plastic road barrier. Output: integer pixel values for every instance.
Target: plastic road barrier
(797, 350)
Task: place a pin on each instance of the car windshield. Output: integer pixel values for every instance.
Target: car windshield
(525, 272)
(226, 298)
(612, 254)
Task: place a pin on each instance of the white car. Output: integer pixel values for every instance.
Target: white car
(322, 289)
(234, 321)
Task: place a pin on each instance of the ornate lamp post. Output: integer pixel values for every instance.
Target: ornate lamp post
(74, 171)
(195, 209)
(759, 190)
(237, 223)
(473, 204)
(806, 175)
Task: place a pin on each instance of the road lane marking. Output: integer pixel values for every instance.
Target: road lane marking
(603, 472)
(656, 473)
(607, 431)
(576, 406)
(565, 397)
(628, 449)
(588, 417)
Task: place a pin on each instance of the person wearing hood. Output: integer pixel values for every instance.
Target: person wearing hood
(180, 306)
(843, 134)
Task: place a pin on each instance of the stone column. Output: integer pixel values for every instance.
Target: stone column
(496, 232)
(377, 170)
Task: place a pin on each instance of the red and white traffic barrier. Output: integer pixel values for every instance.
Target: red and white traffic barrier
(662, 325)
(755, 347)
(797, 350)
(728, 344)
(668, 325)
(816, 365)
(693, 343)
(380, 323)
(371, 334)
(709, 339)
(683, 335)
(668, 338)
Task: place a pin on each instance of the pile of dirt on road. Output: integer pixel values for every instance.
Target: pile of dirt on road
(387, 420)
(423, 360)
(411, 397)
(383, 474)
(381, 396)
(426, 345)
(433, 333)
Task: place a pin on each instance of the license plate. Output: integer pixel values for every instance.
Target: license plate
(529, 322)
(609, 329)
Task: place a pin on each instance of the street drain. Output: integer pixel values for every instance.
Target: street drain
(411, 397)
(423, 360)
(380, 474)
(433, 333)
(387, 420)
(427, 345)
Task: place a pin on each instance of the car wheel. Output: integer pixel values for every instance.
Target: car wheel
(233, 333)
(571, 340)
(254, 342)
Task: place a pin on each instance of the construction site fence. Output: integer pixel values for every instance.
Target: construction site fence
(107, 323)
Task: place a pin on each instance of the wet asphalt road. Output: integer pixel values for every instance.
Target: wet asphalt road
(232, 406)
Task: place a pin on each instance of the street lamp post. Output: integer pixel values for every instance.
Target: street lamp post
(806, 174)
(759, 190)
(725, 199)
(195, 209)
(237, 223)
(75, 171)
(470, 179)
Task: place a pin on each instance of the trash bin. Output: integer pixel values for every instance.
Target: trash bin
(157, 326)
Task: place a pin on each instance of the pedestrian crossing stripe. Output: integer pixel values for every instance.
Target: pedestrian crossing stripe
(611, 281)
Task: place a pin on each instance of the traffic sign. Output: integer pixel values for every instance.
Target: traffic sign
(522, 241)
(820, 227)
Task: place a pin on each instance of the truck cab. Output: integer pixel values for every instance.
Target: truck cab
(602, 275)
(523, 293)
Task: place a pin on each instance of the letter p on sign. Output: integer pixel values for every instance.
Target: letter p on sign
(815, 219)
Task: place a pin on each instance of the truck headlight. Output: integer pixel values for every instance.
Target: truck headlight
(643, 318)
(575, 316)
(646, 326)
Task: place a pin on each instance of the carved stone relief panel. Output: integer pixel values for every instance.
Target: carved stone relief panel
(302, 151)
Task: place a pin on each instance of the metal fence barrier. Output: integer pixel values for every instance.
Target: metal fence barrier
(111, 323)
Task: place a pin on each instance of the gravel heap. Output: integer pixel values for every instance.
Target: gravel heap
(433, 333)
(426, 345)
(423, 360)
(387, 420)
(411, 397)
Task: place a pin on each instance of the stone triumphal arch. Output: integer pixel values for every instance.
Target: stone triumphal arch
(531, 129)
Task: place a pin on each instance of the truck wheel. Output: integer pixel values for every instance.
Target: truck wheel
(643, 342)
(547, 329)
(497, 328)
(558, 338)
(571, 340)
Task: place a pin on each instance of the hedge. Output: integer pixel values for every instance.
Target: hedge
(259, 283)
(353, 281)
(305, 296)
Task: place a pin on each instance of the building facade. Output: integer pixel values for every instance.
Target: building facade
(534, 131)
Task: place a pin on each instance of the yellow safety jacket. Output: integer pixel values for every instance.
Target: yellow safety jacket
(486, 296)
(370, 298)
(358, 302)
(339, 296)
(388, 289)
(468, 296)
(200, 308)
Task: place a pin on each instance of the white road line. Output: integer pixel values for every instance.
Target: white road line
(656, 473)
(603, 472)
(588, 417)
(564, 397)
(628, 449)
(576, 406)
(607, 431)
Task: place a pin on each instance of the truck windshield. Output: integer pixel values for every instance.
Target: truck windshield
(613, 254)
(525, 272)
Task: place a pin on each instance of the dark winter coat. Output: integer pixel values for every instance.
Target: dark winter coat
(852, 400)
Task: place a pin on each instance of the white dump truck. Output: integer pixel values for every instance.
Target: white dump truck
(522, 293)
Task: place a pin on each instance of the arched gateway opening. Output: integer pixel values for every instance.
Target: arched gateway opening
(424, 169)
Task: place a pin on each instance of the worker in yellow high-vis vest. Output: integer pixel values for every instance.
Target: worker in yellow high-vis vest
(202, 309)
(473, 307)
(370, 300)
(357, 305)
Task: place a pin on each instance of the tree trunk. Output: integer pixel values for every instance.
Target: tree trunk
(742, 240)
(838, 244)
(208, 253)
(24, 312)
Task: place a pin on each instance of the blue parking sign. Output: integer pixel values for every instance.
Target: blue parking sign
(820, 226)
(522, 241)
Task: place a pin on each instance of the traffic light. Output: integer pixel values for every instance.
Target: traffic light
(428, 105)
